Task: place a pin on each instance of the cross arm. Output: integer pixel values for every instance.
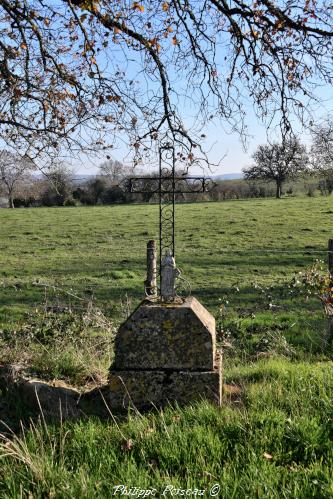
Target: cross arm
(168, 185)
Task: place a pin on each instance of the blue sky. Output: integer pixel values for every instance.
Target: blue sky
(226, 149)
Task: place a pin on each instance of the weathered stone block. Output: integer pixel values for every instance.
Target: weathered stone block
(125, 389)
(55, 401)
(167, 336)
(144, 389)
(185, 387)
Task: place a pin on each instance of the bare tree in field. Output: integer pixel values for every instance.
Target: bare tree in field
(114, 171)
(321, 154)
(13, 169)
(59, 185)
(278, 162)
(79, 73)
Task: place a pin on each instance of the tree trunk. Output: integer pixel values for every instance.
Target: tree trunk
(278, 189)
(330, 333)
(330, 268)
(10, 201)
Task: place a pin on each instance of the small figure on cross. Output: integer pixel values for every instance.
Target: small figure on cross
(169, 273)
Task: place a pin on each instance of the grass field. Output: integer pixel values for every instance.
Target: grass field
(220, 246)
(238, 257)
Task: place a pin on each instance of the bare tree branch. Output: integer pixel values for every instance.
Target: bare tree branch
(78, 74)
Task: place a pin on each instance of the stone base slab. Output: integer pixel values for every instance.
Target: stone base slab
(144, 389)
(184, 387)
(125, 389)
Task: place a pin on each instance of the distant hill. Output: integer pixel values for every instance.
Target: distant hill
(225, 176)
(228, 176)
(83, 177)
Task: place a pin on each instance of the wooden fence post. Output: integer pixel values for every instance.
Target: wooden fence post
(150, 282)
(330, 268)
(330, 255)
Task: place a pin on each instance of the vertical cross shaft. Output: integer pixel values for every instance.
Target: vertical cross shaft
(167, 185)
(167, 195)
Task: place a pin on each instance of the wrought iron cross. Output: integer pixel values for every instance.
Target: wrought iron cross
(167, 185)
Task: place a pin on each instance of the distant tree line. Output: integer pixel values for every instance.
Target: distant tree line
(277, 168)
(61, 189)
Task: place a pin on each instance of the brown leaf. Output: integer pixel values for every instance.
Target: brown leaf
(138, 6)
(267, 456)
(127, 445)
(112, 98)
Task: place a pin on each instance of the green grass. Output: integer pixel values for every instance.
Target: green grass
(101, 250)
(243, 252)
(277, 443)
(272, 439)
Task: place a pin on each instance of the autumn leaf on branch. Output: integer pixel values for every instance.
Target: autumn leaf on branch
(138, 6)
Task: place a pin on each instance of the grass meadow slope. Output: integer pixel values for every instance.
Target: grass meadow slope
(69, 276)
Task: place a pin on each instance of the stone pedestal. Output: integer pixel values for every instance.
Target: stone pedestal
(164, 353)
